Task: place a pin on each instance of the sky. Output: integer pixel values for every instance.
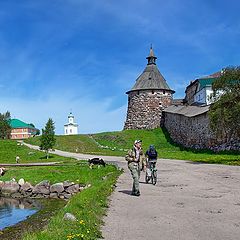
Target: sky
(58, 56)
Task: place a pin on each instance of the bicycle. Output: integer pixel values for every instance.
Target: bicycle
(151, 172)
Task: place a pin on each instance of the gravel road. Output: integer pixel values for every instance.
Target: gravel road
(190, 201)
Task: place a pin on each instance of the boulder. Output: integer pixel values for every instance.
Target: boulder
(9, 187)
(67, 184)
(72, 189)
(69, 217)
(26, 194)
(1, 184)
(26, 187)
(21, 181)
(53, 195)
(16, 195)
(67, 195)
(57, 187)
(42, 188)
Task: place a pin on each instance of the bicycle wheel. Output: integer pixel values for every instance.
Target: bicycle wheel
(146, 178)
(154, 177)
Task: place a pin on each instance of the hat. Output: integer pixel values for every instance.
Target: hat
(137, 141)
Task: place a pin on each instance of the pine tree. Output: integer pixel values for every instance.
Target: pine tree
(48, 139)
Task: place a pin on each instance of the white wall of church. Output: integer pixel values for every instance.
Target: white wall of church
(70, 130)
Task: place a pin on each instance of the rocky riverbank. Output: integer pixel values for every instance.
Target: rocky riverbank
(22, 189)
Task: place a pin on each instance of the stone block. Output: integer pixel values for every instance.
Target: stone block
(26, 187)
(42, 188)
(67, 184)
(21, 181)
(57, 187)
(53, 195)
(72, 189)
(9, 187)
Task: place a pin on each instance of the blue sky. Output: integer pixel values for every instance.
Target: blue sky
(80, 55)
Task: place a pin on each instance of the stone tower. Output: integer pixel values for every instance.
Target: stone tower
(148, 97)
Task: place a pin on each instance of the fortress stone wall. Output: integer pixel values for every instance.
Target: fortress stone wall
(189, 126)
(191, 132)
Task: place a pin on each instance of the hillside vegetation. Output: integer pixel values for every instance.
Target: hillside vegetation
(117, 143)
(9, 149)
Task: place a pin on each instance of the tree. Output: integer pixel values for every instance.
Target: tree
(31, 124)
(5, 128)
(38, 132)
(225, 111)
(48, 137)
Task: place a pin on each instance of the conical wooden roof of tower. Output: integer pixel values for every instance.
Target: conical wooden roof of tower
(151, 78)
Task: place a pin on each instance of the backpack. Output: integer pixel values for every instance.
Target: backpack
(152, 153)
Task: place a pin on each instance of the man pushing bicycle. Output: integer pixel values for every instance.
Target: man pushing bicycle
(151, 173)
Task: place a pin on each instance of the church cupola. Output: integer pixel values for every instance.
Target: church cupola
(70, 118)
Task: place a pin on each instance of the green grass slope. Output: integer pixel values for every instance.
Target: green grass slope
(116, 144)
(9, 149)
(88, 206)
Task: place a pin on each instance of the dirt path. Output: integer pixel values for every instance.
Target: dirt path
(77, 155)
(190, 202)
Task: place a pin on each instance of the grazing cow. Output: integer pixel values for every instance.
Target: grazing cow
(96, 161)
(2, 171)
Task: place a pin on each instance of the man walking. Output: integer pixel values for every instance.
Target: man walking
(136, 162)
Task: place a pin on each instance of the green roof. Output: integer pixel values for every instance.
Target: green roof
(204, 82)
(16, 123)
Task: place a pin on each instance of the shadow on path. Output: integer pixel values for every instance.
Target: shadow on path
(196, 163)
(128, 192)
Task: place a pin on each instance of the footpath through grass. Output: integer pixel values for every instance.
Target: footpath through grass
(116, 144)
(88, 206)
(9, 149)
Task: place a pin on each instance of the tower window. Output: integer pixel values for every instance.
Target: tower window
(152, 91)
(137, 92)
(163, 91)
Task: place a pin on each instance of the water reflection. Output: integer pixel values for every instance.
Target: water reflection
(13, 211)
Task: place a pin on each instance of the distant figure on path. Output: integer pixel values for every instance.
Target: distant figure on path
(136, 162)
(17, 159)
(151, 155)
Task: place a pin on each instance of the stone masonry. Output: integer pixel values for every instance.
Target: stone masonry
(189, 126)
(145, 108)
(191, 132)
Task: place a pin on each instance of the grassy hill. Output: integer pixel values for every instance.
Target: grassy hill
(9, 149)
(117, 143)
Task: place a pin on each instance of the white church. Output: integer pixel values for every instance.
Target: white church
(71, 127)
